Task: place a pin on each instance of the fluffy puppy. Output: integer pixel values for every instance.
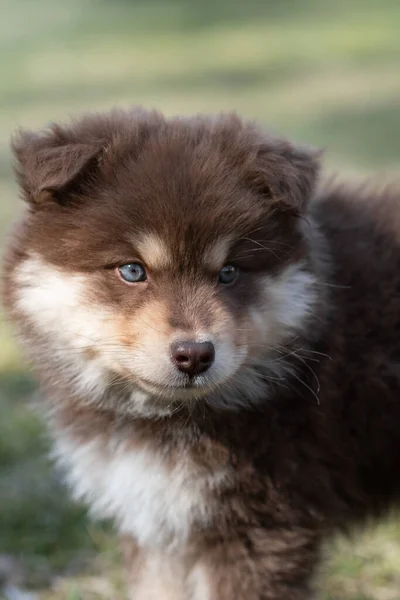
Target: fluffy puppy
(218, 344)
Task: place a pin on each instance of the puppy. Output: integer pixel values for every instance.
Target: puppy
(218, 344)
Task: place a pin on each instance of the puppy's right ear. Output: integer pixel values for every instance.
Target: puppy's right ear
(54, 166)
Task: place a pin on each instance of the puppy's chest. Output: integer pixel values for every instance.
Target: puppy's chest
(156, 500)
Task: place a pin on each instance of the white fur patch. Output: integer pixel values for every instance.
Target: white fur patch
(156, 504)
(54, 301)
(292, 297)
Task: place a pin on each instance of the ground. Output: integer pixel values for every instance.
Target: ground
(323, 72)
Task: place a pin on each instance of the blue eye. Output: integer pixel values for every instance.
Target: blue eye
(132, 273)
(228, 274)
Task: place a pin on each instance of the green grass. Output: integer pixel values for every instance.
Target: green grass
(324, 72)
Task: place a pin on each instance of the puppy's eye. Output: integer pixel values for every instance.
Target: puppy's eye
(228, 274)
(132, 273)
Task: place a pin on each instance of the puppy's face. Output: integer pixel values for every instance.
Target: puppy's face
(163, 259)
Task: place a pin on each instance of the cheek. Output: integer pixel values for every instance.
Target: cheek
(57, 305)
(258, 331)
(265, 330)
(257, 317)
(62, 331)
(284, 306)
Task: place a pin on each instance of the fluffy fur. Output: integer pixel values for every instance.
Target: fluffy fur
(222, 484)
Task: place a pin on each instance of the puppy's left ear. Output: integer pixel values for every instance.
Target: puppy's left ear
(287, 174)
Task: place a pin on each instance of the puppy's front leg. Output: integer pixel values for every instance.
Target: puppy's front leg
(153, 575)
(259, 564)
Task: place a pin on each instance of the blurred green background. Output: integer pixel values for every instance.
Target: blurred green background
(323, 71)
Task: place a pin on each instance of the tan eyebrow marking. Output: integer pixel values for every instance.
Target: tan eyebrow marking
(216, 254)
(154, 251)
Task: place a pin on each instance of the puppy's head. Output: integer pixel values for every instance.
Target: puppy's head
(160, 257)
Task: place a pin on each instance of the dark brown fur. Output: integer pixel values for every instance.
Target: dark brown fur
(322, 450)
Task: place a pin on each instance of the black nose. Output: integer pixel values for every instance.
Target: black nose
(193, 357)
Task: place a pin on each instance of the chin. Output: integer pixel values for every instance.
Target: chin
(194, 390)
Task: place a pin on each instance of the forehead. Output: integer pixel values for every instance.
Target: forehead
(174, 184)
(174, 200)
(158, 253)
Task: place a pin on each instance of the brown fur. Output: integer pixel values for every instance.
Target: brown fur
(319, 447)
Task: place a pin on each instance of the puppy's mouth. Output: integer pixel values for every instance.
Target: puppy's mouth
(193, 387)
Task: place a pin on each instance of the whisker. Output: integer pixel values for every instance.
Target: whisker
(316, 352)
(310, 368)
(308, 387)
(333, 285)
(266, 241)
(263, 247)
